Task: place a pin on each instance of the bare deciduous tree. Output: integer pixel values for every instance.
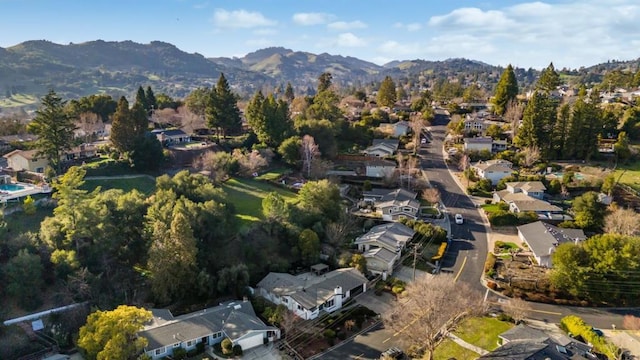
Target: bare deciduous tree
(622, 221)
(190, 121)
(631, 322)
(433, 306)
(310, 152)
(464, 162)
(89, 124)
(432, 195)
(337, 232)
(217, 164)
(250, 162)
(531, 156)
(513, 115)
(288, 323)
(518, 309)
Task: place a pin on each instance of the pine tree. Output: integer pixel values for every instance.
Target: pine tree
(121, 127)
(506, 91)
(289, 95)
(387, 92)
(549, 79)
(222, 109)
(54, 129)
(151, 102)
(537, 124)
(561, 130)
(324, 82)
(585, 126)
(141, 98)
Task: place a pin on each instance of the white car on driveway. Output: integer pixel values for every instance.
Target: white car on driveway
(458, 218)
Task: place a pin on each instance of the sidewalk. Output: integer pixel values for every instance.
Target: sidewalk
(466, 345)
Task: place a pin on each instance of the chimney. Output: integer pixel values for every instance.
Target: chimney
(337, 290)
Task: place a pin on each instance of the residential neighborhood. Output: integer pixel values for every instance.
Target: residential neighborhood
(298, 204)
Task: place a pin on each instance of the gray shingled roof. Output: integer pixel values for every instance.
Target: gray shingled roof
(235, 319)
(528, 186)
(387, 235)
(381, 254)
(524, 332)
(541, 236)
(310, 290)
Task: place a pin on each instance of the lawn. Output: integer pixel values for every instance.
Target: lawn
(629, 175)
(144, 184)
(482, 331)
(273, 175)
(19, 222)
(450, 350)
(491, 208)
(246, 196)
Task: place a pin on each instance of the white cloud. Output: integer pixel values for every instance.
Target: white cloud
(308, 19)
(350, 40)
(472, 18)
(394, 48)
(265, 32)
(409, 27)
(344, 25)
(237, 19)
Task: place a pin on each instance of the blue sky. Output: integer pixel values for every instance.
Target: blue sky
(571, 33)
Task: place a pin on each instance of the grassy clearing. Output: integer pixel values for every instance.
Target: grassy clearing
(19, 222)
(482, 331)
(144, 184)
(18, 100)
(273, 175)
(246, 195)
(450, 350)
(629, 175)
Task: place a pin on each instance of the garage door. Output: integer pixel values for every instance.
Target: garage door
(356, 290)
(251, 341)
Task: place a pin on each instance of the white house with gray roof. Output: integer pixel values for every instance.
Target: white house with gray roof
(383, 245)
(234, 320)
(382, 147)
(393, 204)
(543, 238)
(493, 170)
(307, 295)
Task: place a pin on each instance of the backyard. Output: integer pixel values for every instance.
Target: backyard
(246, 196)
(145, 184)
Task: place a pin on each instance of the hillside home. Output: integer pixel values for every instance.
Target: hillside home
(19, 160)
(84, 151)
(382, 147)
(543, 238)
(379, 168)
(168, 137)
(391, 205)
(493, 170)
(478, 144)
(535, 189)
(234, 320)
(308, 295)
(525, 196)
(382, 246)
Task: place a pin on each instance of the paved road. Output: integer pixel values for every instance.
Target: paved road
(366, 346)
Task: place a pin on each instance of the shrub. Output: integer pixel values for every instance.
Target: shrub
(29, 205)
(490, 263)
(227, 346)
(440, 254)
(341, 335)
(217, 347)
(329, 334)
(397, 289)
(488, 201)
(200, 347)
(237, 350)
(484, 185)
(577, 327)
(505, 317)
(503, 218)
(179, 354)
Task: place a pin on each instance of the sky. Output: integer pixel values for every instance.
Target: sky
(571, 33)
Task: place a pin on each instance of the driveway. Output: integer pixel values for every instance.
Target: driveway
(405, 274)
(378, 303)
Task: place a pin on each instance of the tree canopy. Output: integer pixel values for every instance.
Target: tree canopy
(387, 92)
(222, 108)
(112, 334)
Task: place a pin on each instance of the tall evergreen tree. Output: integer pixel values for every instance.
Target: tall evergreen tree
(387, 92)
(151, 102)
(324, 82)
(549, 79)
(506, 91)
(561, 130)
(537, 124)
(586, 123)
(289, 94)
(222, 109)
(54, 129)
(141, 98)
(121, 125)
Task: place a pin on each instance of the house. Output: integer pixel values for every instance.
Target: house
(543, 238)
(526, 343)
(379, 168)
(499, 145)
(84, 151)
(393, 204)
(383, 245)
(26, 160)
(308, 294)
(234, 320)
(493, 170)
(534, 189)
(168, 137)
(400, 128)
(478, 144)
(521, 203)
(382, 147)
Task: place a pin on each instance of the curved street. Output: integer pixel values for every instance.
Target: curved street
(466, 256)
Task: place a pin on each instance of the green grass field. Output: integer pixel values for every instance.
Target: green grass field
(629, 175)
(144, 184)
(490, 208)
(482, 331)
(18, 223)
(18, 100)
(450, 350)
(274, 174)
(246, 195)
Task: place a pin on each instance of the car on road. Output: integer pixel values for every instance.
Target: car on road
(459, 219)
(392, 353)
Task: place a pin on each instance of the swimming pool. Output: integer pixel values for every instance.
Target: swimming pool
(11, 187)
(576, 176)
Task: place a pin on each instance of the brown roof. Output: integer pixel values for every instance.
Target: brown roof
(27, 154)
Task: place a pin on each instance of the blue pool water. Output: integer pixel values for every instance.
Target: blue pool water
(11, 187)
(576, 176)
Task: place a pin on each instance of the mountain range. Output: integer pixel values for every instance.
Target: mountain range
(118, 68)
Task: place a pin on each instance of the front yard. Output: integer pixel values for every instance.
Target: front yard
(448, 349)
(482, 331)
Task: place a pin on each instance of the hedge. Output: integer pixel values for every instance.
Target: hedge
(577, 327)
(440, 254)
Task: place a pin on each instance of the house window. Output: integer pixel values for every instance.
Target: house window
(160, 351)
(329, 303)
(300, 307)
(190, 343)
(285, 300)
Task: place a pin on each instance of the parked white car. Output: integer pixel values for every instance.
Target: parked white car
(459, 219)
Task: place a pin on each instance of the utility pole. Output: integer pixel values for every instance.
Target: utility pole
(415, 257)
